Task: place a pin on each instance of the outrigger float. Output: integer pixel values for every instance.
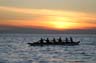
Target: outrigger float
(46, 42)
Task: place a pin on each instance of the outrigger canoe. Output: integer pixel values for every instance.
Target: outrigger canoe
(54, 43)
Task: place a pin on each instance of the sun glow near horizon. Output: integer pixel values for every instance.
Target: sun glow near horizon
(60, 25)
(55, 24)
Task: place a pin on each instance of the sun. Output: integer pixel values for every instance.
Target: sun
(60, 22)
(60, 25)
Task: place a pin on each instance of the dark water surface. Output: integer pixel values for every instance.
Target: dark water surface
(13, 49)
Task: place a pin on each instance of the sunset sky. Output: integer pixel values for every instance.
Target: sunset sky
(48, 14)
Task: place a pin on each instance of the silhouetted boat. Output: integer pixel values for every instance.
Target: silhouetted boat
(65, 43)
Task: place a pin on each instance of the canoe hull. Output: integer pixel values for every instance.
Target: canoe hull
(57, 43)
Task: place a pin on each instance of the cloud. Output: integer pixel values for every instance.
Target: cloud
(47, 18)
(46, 12)
(54, 13)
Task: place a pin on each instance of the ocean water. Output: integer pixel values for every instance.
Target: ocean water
(13, 49)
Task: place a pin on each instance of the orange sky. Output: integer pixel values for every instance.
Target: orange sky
(48, 19)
